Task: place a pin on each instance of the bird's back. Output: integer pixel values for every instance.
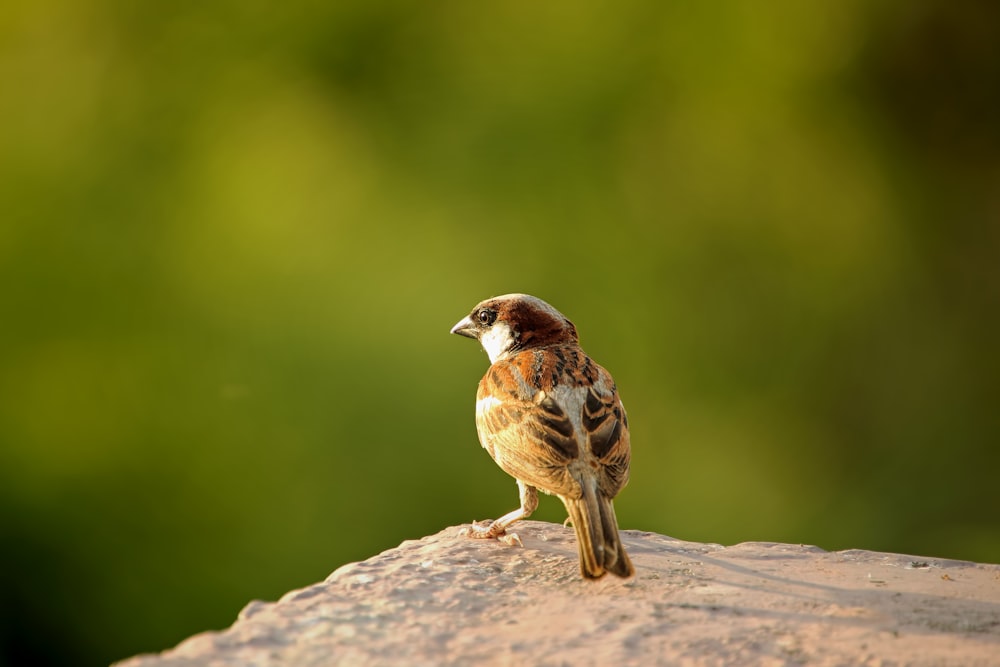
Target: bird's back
(547, 414)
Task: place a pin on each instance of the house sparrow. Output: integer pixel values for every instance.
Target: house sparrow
(551, 418)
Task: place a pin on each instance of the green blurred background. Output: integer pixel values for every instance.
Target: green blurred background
(234, 236)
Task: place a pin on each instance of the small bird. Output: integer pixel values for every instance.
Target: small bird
(551, 418)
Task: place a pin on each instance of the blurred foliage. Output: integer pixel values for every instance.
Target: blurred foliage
(234, 236)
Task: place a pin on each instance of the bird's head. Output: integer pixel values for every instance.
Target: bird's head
(513, 322)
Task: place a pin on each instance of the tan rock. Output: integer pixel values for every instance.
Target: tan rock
(451, 600)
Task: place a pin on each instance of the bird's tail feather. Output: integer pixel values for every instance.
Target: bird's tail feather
(597, 538)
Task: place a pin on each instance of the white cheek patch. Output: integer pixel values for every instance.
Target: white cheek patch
(497, 341)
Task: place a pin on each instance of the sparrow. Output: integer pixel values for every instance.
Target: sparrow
(551, 418)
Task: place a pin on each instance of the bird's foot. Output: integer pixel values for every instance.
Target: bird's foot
(490, 530)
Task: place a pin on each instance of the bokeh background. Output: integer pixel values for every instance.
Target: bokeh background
(234, 235)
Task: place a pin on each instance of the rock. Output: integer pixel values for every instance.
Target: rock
(451, 600)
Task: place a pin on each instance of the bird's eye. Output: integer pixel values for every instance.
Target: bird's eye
(487, 316)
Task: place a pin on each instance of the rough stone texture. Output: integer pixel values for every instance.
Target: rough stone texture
(451, 600)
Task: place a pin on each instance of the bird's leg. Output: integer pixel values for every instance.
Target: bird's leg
(498, 527)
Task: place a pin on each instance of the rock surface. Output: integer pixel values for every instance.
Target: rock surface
(451, 600)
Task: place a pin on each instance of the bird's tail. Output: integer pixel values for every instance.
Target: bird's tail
(597, 538)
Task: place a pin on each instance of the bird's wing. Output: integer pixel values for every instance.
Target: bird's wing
(536, 434)
(532, 439)
(606, 424)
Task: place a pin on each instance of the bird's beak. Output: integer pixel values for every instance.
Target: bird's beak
(466, 328)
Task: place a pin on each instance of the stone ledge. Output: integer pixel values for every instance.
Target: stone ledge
(450, 600)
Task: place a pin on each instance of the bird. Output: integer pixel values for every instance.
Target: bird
(551, 418)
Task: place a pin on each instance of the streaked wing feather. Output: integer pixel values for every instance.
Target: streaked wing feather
(607, 425)
(532, 440)
(530, 435)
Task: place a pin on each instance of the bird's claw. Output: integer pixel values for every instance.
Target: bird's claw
(490, 530)
(510, 539)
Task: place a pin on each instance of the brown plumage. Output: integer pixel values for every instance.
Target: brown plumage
(552, 419)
